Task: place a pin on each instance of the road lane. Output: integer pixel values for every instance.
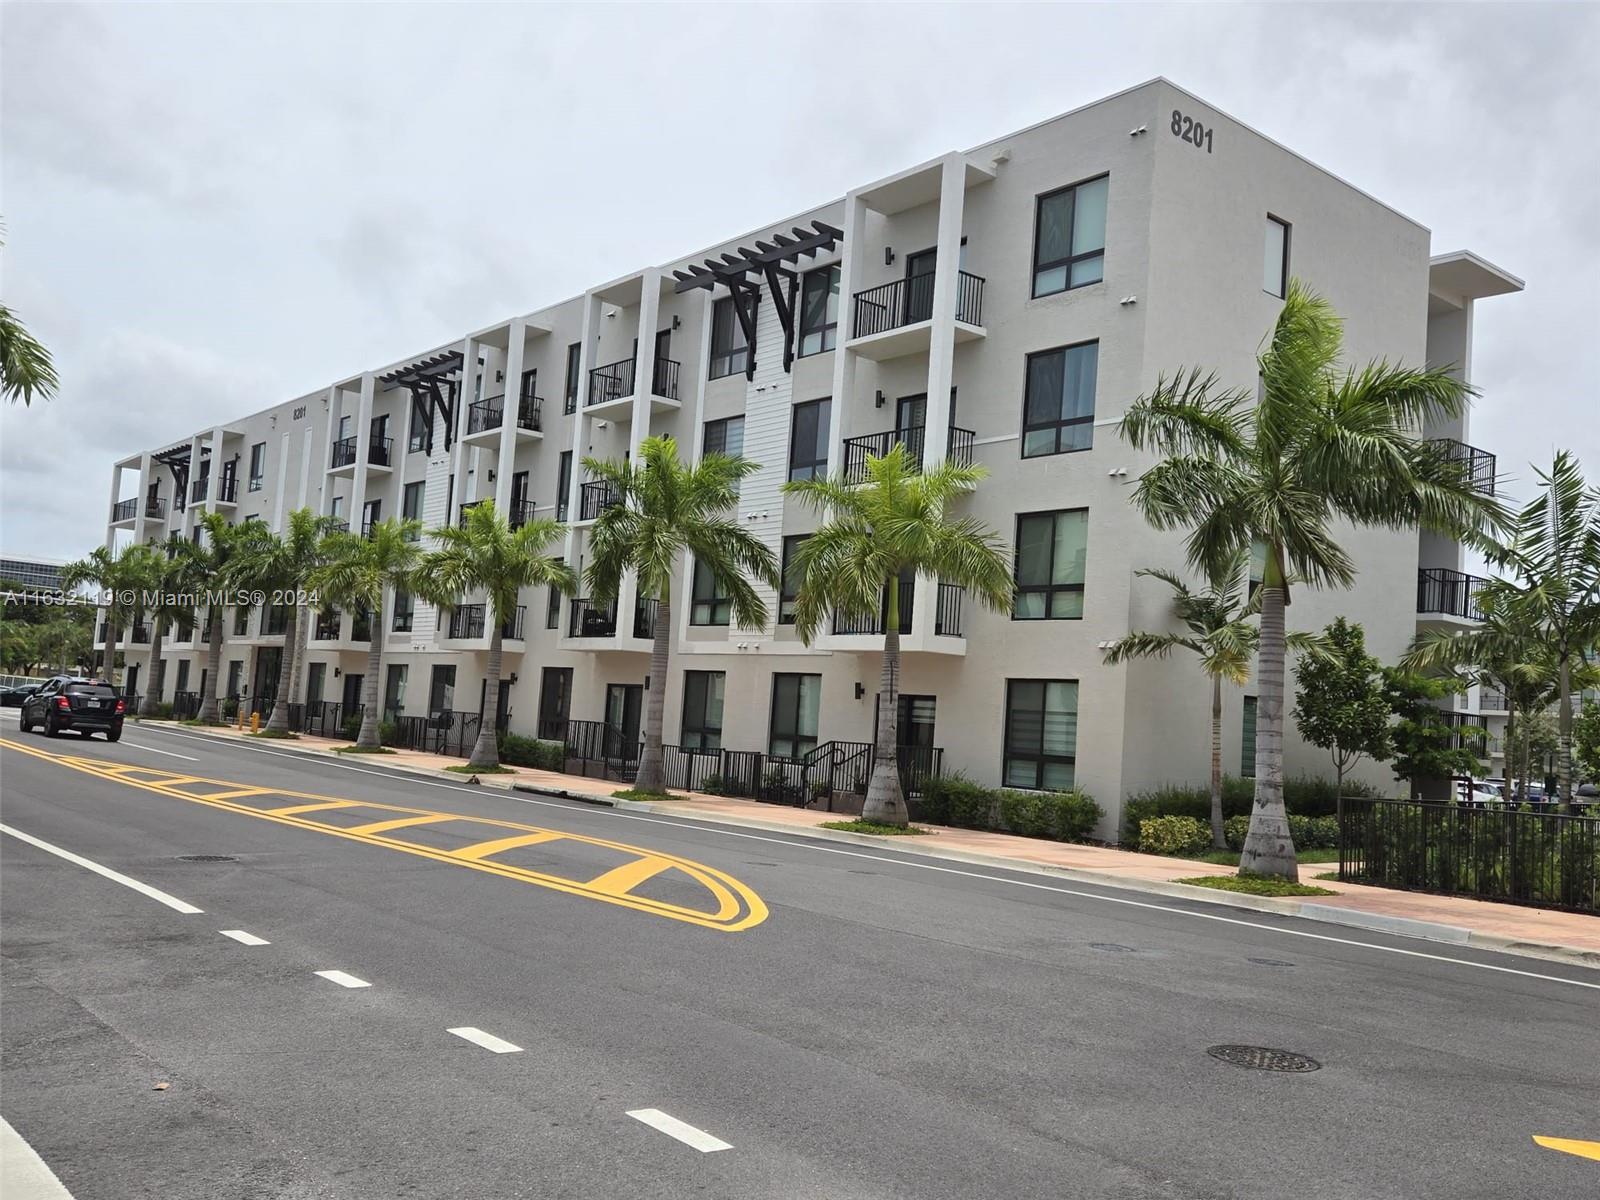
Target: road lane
(975, 1029)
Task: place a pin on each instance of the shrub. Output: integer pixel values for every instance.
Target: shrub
(1064, 816)
(1309, 833)
(1173, 835)
(351, 728)
(520, 751)
(1304, 795)
(957, 800)
(711, 785)
(1026, 813)
(388, 733)
(230, 708)
(155, 712)
(1235, 830)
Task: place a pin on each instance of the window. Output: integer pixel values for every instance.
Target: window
(258, 465)
(725, 437)
(574, 356)
(361, 626)
(344, 426)
(1051, 548)
(563, 484)
(552, 612)
(730, 352)
(1258, 565)
(183, 674)
(1275, 262)
(808, 440)
(417, 435)
(241, 621)
(276, 620)
(819, 310)
(235, 678)
(1041, 737)
(336, 509)
(441, 690)
(791, 579)
(1069, 237)
(702, 710)
(404, 611)
(411, 503)
(394, 691)
(1058, 408)
(371, 514)
(710, 605)
(1247, 740)
(795, 702)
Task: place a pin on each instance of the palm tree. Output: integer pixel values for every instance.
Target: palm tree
(25, 366)
(122, 577)
(173, 584)
(1554, 553)
(667, 509)
(486, 555)
(896, 521)
(282, 563)
(356, 572)
(1220, 632)
(1317, 443)
(210, 567)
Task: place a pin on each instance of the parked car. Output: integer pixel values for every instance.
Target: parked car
(83, 706)
(12, 697)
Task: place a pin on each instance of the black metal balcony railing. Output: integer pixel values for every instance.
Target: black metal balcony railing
(125, 510)
(463, 510)
(857, 449)
(910, 301)
(327, 628)
(140, 635)
(876, 623)
(521, 513)
(665, 378)
(470, 621)
(530, 413)
(485, 414)
(379, 451)
(155, 507)
(1477, 466)
(1440, 590)
(610, 382)
(1490, 700)
(227, 492)
(591, 619)
(1460, 739)
(594, 498)
(947, 613)
(337, 526)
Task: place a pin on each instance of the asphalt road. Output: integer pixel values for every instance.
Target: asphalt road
(822, 1021)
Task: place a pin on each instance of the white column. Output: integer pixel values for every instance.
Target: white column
(140, 502)
(191, 512)
(214, 488)
(941, 347)
(515, 337)
(358, 491)
(580, 427)
(280, 499)
(335, 403)
(700, 364)
(644, 370)
(111, 506)
(844, 359)
(458, 458)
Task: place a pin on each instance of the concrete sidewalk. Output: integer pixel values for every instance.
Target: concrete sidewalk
(1516, 928)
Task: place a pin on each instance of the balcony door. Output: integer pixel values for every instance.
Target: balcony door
(502, 708)
(352, 693)
(555, 702)
(624, 703)
(519, 496)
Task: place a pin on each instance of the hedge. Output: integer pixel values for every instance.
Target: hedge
(1174, 835)
(959, 801)
(1309, 833)
(519, 751)
(1305, 796)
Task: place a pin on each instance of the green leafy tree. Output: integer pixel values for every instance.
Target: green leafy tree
(356, 572)
(1321, 445)
(209, 567)
(1426, 748)
(121, 577)
(486, 556)
(668, 509)
(1586, 740)
(1219, 629)
(177, 578)
(283, 563)
(1340, 705)
(897, 521)
(26, 370)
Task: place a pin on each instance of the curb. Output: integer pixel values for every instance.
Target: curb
(1308, 910)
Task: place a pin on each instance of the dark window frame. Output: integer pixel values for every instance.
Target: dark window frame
(258, 470)
(786, 598)
(405, 609)
(734, 357)
(810, 468)
(709, 602)
(701, 734)
(1039, 758)
(569, 403)
(720, 426)
(563, 484)
(1048, 590)
(792, 735)
(419, 489)
(1072, 259)
(1059, 424)
(1283, 266)
(828, 329)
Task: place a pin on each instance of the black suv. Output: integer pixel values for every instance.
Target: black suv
(85, 706)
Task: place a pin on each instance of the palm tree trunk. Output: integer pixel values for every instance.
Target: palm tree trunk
(367, 738)
(652, 776)
(1564, 733)
(885, 803)
(297, 637)
(154, 696)
(486, 750)
(111, 650)
(1269, 848)
(1527, 757)
(1219, 839)
(279, 721)
(1509, 770)
(210, 708)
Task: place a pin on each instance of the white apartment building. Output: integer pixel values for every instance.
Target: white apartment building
(1001, 305)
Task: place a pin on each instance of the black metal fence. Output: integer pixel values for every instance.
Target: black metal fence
(1550, 859)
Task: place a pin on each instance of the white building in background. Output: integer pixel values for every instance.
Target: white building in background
(1001, 305)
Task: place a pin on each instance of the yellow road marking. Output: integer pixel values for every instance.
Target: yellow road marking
(619, 881)
(484, 849)
(238, 792)
(1570, 1146)
(735, 908)
(400, 823)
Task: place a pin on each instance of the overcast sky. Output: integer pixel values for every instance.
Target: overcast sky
(214, 208)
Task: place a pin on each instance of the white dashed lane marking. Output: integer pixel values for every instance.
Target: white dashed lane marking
(681, 1130)
(343, 979)
(487, 1040)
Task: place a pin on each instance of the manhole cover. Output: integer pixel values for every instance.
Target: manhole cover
(207, 858)
(1111, 947)
(1264, 1058)
(1270, 962)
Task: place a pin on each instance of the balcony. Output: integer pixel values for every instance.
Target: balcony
(611, 389)
(1447, 597)
(486, 418)
(1492, 701)
(857, 450)
(327, 626)
(1477, 466)
(338, 526)
(124, 510)
(594, 498)
(463, 510)
(468, 622)
(380, 453)
(863, 632)
(1460, 739)
(139, 635)
(591, 619)
(521, 513)
(897, 319)
(227, 490)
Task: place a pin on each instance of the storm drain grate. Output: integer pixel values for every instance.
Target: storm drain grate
(207, 858)
(1264, 1058)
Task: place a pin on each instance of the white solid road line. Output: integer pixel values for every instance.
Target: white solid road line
(247, 939)
(684, 1132)
(172, 902)
(153, 750)
(344, 979)
(23, 1174)
(800, 842)
(487, 1040)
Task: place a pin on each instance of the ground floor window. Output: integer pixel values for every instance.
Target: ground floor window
(235, 676)
(702, 710)
(1041, 733)
(442, 690)
(796, 700)
(394, 691)
(316, 678)
(1247, 751)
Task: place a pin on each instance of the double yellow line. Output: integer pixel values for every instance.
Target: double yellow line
(732, 907)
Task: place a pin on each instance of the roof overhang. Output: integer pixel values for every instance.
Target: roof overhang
(916, 187)
(1461, 276)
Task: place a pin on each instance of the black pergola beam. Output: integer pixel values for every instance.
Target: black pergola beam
(776, 248)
